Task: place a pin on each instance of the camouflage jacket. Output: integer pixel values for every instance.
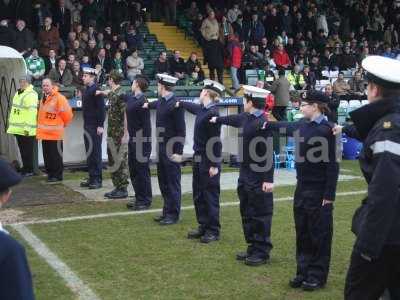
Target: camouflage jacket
(116, 114)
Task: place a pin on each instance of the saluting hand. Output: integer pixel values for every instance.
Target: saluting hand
(337, 130)
(267, 187)
(177, 104)
(213, 171)
(100, 130)
(326, 202)
(213, 120)
(145, 105)
(177, 158)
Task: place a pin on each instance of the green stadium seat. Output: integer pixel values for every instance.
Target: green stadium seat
(180, 93)
(194, 93)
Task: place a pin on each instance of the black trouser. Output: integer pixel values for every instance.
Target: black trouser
(53, 159)
(25, 145)
(314, 231)
(256, 209)
(220, 74)
(93, 153)
(139, 171)
(279, 113)
(368, 280)
(206, 192)
(169, 180)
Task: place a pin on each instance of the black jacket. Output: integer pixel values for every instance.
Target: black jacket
(93, 107)
(23, 40)
(377, 222)
(7, 36)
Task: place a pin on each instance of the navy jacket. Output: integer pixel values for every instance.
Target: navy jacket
(15, 276)
(139, 124)
(93, 107)
(204, 131)
(170, 122)
(257, 172)
(324, 171)
(377, 222)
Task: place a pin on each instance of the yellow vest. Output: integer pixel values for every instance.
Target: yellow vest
(23, 114)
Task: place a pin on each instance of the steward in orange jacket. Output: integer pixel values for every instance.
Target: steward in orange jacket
(54, 115)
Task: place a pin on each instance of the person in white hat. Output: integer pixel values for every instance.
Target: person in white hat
(171, 128)
(94, 114)
(255, 183)
(207, 149)
(375, 260)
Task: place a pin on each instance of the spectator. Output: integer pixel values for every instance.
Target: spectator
(196, 26)
(50, 61)
(310, 24)
(309, 78)
(286, 20)
(118, 12)
(215, 60)
(388, 52)
(334, 40)
(210, 27)
(40, 12)
(233, 13)
(347, 60)
(61, 75)
(48, 38)
(77, 75)
(281, 58)
(272, 24)
(77, 50)
(103, 61)
(72, 36)
(253, 59)
(341, 87)
(62, 19)
(118, 64)
(269, 60)
(100, 40)
(70, 61)
(193, 11)
(92, 11)
(134, 39)
(269, 75)
(92, 51)
(225, 30)
(296, 79)
(254, 30)
(298, 24)
(357, 86)
(333, 104)
(263, 46)
(85, 63)
(235, 58)
(108, 33)
(322, 24)
(177, 65)
(280, 88)
(23, 38)
(170, 12)
(35, 66)
(134, 65)
(193, 69)
(123, 47)
(161, 65)
(7, 35)
(391, 36)
(237, 27)
(101, 76)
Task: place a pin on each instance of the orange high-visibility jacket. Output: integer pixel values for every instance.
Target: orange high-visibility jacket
(54, 114)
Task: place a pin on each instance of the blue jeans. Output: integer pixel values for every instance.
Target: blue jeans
(235, 79)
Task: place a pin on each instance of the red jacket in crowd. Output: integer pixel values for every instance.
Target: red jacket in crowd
(235, 52)
(281, 58)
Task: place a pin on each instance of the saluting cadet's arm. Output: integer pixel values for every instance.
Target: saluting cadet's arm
(193, 108)
(383, 195)
(232, 120)
(290, 127)
(351, 131)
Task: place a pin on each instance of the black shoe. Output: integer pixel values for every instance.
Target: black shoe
(311, 285)
(255, 261)
(296, 282)
(28, 174)
(53, 180)
(117, 194)
(95, 185)
(168, 221)
(140, 207)
(241, 256)
(209, 237)
(158, 218)
(85, 183)
(195, 233)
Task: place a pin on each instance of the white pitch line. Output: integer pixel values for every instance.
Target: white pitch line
(128, 213)
(73, 281)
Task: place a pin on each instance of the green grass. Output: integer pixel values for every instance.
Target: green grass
(132, 257)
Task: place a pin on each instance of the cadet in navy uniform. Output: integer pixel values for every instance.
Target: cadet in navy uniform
(317, 175)
(171, 129)
(375, 261)
(15, 276)
(206, 162)
(94, 113)
(255, 184)
(139, 129)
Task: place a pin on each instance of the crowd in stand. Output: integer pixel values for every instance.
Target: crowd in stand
(59, 38)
